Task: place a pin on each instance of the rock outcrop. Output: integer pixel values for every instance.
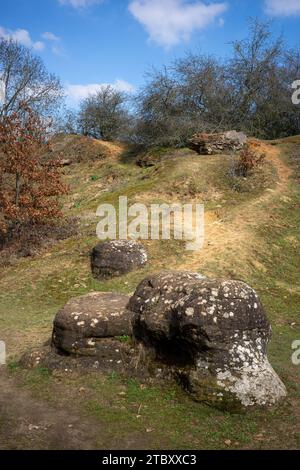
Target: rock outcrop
(213, 334)
(210, 144)
(114, 258)
(84, 321)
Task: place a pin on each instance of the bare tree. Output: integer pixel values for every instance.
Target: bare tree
(192, 95)
(252, 69)
(25, 80)
(160, 116)
(67, 122)
(104, 115)
(206, 92)
(250, 92)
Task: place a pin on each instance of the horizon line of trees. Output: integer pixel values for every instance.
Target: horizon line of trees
(250, 91)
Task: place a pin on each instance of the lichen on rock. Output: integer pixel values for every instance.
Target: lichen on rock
(213, 333)
(117, 257)
(84, 321)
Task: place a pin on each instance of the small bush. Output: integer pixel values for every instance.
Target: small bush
(248, 161)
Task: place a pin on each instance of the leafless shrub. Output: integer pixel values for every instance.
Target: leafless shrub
(248, 161)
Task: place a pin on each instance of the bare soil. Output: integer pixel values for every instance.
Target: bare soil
(27, 423)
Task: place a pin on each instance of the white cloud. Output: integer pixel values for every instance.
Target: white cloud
(79, 3)
(169, 22)
(122, 85)
(77, 93)
(22, 36)
(282, 7)
(56, 46)
(58, 50)
(50, 36)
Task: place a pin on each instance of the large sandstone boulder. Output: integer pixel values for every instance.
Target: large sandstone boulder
(210, 144)
(84, 321)
(117, 257)
(213, 334)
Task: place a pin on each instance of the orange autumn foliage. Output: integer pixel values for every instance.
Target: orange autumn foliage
(29, 185)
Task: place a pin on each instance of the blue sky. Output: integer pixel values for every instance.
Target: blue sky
(89, 42)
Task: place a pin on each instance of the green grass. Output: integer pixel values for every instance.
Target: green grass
(129, 412)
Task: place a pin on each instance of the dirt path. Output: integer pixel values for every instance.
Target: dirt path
(26, 423)
(233, 235)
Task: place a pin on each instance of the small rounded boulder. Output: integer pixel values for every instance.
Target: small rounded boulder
(114, 258)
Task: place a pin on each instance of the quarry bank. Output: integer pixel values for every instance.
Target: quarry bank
(107, 332)
(209, 335)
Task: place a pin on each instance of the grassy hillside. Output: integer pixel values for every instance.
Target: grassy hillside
(252, 233)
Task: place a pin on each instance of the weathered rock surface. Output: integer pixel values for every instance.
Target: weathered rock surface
(210, 144)
(84, 321)
(112, 355)
(114, 258)
(212, 333)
